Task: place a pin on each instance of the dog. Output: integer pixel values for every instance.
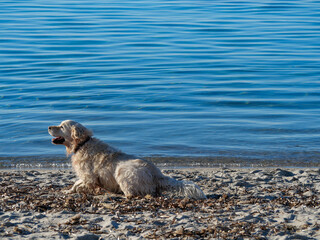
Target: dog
(99, 165)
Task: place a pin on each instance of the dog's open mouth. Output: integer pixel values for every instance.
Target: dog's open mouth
(58, 140)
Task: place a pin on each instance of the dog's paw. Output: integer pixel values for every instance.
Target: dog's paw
(77, 187)
(68, 191)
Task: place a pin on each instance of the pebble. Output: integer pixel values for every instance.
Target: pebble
(88, 236)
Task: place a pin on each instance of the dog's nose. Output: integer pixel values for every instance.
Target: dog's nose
(49, 128)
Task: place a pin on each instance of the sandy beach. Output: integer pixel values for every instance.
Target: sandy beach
(242, 204)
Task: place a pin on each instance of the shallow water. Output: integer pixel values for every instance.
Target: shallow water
(206, 80)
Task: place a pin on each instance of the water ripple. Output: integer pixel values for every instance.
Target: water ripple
(166, 78)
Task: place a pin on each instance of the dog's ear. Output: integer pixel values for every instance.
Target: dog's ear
(79, 133)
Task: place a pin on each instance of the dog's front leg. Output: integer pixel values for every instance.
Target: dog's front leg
(76, 187)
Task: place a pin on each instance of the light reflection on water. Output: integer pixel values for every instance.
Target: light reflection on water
(163, 78)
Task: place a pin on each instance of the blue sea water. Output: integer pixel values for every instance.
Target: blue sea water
(183, 81)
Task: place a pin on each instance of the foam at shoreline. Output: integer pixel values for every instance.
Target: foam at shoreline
(63, 162)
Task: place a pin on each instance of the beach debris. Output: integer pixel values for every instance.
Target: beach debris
(238, 206)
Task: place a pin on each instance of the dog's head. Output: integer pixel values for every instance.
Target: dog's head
(69, 133)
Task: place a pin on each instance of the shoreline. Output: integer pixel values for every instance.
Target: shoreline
(63, 162)
(68, 167)
(264, 203)
(165, 168)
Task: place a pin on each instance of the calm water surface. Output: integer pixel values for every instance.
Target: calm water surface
(203, 81)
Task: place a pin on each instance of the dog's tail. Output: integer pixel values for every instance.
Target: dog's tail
(186, 189)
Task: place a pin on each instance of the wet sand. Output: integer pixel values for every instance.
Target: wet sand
(266, 203)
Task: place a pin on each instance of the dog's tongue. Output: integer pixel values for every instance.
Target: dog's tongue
(58, 140)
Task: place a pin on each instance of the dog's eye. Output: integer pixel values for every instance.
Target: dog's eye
(61, 127)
